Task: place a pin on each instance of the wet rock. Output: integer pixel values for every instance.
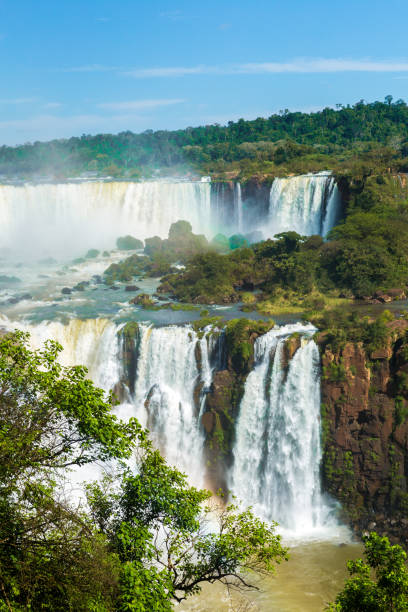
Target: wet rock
(132, 288)
(290, 346)
(92, 253)
(208, 420)
(365, 435)
(66, 291)
(128, 243)
(9, 279)
(143, 299)
(390, 295)
(382, 353)
(81, 286)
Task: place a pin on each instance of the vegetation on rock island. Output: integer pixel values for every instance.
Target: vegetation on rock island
(143, 539)
(365, 254)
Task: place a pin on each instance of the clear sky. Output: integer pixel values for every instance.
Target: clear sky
(70, 67)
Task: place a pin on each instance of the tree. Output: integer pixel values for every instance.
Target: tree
(386, 591)
(144, 540)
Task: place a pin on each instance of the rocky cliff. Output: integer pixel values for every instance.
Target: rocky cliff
(364, 417)
(365, 432)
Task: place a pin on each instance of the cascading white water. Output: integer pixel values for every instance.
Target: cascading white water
(238, 207)
(91, 342)
(307, 204)
(277, 452)
(169, 386)
(167, 375)
(68, 219)
(333, 207)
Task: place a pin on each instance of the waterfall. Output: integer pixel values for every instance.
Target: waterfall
(277, 451)
(91, 342)
(68, 219)
(167, 394)
(173, 372)
(307, 204)
(333, 207)
(238, 207)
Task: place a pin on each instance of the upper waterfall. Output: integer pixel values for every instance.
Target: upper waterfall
(277, 451)
(238, 207)
(70, 218)
(307, 204)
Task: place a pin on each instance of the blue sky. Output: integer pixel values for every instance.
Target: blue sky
(70, 67)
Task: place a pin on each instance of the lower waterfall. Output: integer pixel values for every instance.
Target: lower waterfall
(277, 451)
(92, 343)
(168, 398)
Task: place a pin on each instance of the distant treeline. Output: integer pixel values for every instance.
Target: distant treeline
(375, 134)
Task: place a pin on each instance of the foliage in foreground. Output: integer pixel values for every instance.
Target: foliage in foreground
(145, 539)
(379, 584)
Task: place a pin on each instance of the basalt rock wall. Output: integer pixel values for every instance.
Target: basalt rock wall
(365, 433)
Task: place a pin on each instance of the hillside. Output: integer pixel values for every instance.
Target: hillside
(358, 139)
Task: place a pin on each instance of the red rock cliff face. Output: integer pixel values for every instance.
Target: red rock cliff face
(365, 434)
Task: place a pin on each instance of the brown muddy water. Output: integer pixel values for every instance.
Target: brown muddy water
(310, 579)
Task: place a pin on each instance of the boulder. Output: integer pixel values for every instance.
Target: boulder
(92, 253)
(132, 288)
(390, 295)
(128, 243)
(143, 300)
(66, 291)
(80, 286)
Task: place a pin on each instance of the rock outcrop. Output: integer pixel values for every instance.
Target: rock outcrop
(365, 433)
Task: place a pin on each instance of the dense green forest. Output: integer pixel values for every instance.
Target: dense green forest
(364, 135)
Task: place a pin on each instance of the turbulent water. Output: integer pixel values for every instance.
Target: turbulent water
(277, 452)
(308, 204)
